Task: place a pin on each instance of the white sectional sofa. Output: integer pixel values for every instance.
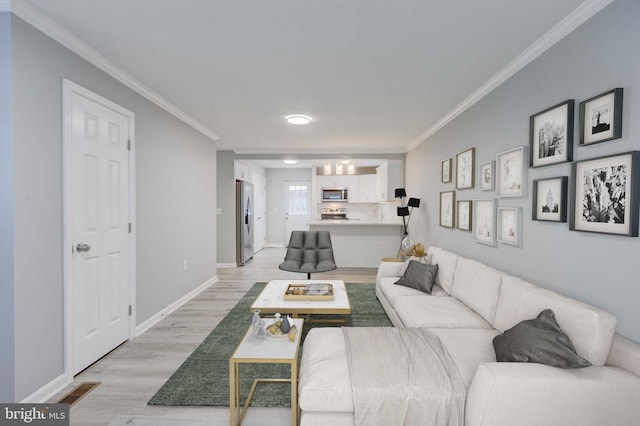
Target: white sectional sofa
(470, 304)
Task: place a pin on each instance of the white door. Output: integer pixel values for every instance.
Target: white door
(99, 209)
(296, 208)
(259, 211)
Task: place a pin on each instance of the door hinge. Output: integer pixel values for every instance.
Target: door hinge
(130, 310)
(129, 227)
(128, 144)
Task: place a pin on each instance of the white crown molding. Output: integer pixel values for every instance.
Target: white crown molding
(5, 5)
(579, 15)
(31, 15)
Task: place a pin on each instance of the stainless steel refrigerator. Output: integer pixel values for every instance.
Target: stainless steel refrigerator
(244, 222)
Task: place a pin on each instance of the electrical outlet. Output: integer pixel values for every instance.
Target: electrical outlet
(185, 265)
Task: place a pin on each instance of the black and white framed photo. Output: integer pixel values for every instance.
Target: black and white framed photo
(607, 194)
(601, 117)
(464, 209)
(551, 135)
(510, 173)
(550, 199)
(445, 171)
(509, 228)
(447, 208)
(465, 169)
(486, 173)
(484, 221)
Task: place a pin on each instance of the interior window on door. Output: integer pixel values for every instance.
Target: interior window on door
(298, 200)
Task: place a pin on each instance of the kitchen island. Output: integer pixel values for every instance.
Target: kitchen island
(361, 243)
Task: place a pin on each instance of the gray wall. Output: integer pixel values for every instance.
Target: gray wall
(276, 179)
(597, 269)
(175, 192)
(227, 202)
(7, 327)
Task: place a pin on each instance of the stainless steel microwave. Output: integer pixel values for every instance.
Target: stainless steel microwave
(335, 195)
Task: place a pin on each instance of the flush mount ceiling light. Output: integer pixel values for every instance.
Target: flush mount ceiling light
(290, 161)
(298, 119)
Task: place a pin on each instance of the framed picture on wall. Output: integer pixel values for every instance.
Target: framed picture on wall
(486, 172)
(509, 225)
(445, 171)
(607, 194)
(463, 210)
(550, 199)
(447, 208)
(551, 135)
(484, 220)
(465, 169)
(510, 173)
(601, 117)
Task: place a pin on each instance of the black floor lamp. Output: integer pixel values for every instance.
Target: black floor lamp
(404, 211)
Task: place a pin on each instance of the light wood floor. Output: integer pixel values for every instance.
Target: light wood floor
(131, 374)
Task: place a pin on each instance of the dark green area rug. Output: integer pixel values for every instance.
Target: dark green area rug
(203, 379)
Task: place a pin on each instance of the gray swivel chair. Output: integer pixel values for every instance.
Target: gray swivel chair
(309, 251)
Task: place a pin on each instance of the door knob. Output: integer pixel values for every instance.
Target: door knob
(83, 247)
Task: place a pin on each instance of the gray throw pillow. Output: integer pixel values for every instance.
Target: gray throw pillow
(419, 276)
(538, 340)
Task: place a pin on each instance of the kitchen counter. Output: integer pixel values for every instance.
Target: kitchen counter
(361, 243)
(352, 222)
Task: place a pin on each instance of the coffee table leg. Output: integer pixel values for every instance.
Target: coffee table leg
(234, 397)
(294, 393)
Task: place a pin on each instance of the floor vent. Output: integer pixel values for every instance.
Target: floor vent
(78, 393)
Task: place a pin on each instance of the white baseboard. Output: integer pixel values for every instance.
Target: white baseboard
(147, 324)
(47, 392)
(274, 245)
(226, 265)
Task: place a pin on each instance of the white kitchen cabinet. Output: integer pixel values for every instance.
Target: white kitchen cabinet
(241, 171)
(382, 182)
(334, 181)
(367, 188)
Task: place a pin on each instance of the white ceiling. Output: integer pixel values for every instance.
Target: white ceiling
(373, 74)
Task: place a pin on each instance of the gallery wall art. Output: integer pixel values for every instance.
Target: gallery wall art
(510, 173)
(601, 117)
(465, 169)
(607, 194)
(550, 199)
(551, 135)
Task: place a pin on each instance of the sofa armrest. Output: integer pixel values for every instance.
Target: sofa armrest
(388, 269)
(523, 394)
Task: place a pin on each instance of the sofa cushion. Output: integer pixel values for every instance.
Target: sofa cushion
(590, 329)
(539, 340)
(324, 350)
(446, 262)
(419, 276)
(468, 348)
(478, 286)
(437, 312)
(391, 291)
(423, 259)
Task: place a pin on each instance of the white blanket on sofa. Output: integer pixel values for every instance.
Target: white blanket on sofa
(403, 376)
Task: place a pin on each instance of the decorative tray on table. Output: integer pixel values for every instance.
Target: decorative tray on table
(274, 330)
(316, 291)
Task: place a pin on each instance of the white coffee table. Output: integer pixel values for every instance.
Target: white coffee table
(264, 350)
(271, 300)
